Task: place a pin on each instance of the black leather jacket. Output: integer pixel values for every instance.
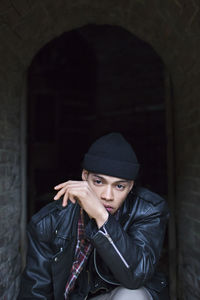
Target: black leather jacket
(129, 247)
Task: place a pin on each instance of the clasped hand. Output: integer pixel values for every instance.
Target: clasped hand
(81, 192)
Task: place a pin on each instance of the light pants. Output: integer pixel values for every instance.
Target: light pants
(121, 293)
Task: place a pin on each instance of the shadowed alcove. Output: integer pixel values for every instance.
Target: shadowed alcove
(83, 84)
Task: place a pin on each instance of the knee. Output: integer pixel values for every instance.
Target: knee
(127, 294)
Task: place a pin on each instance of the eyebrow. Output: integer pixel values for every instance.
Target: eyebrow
(117, 181)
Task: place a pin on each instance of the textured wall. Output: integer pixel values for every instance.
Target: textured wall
(9, 183)
(172, 28)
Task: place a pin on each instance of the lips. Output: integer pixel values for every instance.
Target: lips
(108, 208)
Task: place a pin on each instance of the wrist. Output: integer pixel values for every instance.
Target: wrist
(102, 218)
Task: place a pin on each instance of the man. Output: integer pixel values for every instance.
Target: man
(103, 239)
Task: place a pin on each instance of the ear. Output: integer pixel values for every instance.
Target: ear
(84, 175)
(131, 185)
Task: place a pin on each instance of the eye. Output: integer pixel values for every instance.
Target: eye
(97, 181)
(120, 187)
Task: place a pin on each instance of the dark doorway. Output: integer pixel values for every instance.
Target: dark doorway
(61, 108)
(83, 84)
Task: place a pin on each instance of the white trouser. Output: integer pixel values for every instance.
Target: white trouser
(121, 293)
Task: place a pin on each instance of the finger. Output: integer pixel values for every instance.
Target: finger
(69, 185)
(68, 196)
(65, 200)
(72, 196)
(66, 183)
(60, 193)
(60, 185)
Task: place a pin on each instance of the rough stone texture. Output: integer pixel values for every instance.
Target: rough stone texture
(9, 189)
(172, 28)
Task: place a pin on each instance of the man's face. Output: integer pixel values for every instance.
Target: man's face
(111, 191)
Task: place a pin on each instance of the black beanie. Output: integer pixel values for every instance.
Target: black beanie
(112, 155)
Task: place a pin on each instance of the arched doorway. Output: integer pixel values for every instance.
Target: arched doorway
(85, 83)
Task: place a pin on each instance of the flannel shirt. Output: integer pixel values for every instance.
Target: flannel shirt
(82, 252)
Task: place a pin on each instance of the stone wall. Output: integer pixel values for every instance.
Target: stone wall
(9, 183)
(172, 28)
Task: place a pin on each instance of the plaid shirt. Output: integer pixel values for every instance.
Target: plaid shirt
(82, 252)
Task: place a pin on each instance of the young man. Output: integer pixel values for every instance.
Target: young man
(103, 239)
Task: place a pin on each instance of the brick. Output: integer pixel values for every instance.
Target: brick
(23, 6)
(7, 156)
(5, 5)
(28, 27)
(11, 16)
(10, 177)
(10, 42)
(33, 38)
(11, 240)
(188, 232)
(9, 144)
(8, 273)
(12, 220)
(189, 274)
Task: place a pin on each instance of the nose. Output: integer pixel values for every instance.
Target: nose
(107, 194)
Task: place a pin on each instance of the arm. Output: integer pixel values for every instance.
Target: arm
(131, 255)
(36, 279)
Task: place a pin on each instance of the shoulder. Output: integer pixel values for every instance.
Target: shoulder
(44, 223)
(149, 196)
(46, 211)
(149, 202)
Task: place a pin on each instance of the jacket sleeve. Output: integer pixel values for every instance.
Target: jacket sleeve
(36, 280)
(132, 255)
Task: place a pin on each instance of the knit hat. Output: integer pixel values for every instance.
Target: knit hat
(112, 155)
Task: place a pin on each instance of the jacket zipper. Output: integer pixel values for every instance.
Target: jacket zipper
(106, 280)
(105, 233)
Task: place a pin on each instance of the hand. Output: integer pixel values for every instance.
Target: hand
(81, 191)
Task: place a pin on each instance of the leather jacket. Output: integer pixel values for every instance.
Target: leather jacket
(126, 251)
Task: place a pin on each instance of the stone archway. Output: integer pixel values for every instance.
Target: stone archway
(86, 82)
(25, 28)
